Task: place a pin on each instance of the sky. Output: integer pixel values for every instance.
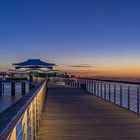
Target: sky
(83, 37)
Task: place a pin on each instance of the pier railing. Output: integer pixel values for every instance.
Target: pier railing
(21, 120)
(125, 94)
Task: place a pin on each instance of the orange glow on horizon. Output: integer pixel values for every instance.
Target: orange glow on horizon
(112, 69)
(117, 69)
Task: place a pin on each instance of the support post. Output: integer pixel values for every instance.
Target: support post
(1, 88)
(23, 87)
(13, 88)
(31, 86)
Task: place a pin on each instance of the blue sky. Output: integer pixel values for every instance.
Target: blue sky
(95, 32)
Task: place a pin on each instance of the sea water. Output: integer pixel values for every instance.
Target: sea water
(6, 99)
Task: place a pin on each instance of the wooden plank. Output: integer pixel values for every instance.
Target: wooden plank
(72, 114)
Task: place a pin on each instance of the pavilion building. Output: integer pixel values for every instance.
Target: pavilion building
(35, 67)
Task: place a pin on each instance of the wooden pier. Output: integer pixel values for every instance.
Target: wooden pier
(73, 114)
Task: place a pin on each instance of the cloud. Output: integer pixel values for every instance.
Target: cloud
(75, 66)
(80, 66)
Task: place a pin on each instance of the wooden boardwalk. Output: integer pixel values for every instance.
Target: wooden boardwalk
(72, 114)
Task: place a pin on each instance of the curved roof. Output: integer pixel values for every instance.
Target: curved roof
(34, 63)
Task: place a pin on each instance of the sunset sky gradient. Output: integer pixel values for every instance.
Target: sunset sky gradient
(84, 37)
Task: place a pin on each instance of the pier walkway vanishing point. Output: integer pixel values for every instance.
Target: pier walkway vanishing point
(73, 114)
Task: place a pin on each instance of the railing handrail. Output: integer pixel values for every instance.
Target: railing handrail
(110, 80)
(10, 117)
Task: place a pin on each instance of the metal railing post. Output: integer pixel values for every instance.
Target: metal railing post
(89, 86)
(94, 87)
(138, 100)
(121, 94)
(104, 90)
(101, 89)
(109, 92)
(86, 85)
(98, 88)
(114, 93)
(128, 97)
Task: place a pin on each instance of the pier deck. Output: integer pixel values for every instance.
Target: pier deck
(72, 114)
